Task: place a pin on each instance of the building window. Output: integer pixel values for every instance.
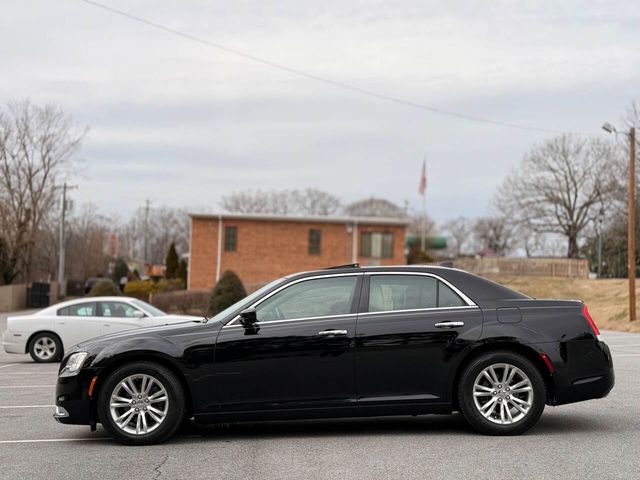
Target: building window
(315, 237)
(376, 245)
(230, 239)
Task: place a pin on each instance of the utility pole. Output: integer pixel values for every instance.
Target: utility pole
(61, 240)
(146, 230)
(62, 237)
(631, 217)
(631, 220)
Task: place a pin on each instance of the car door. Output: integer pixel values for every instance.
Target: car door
(409, 328)
(298, 355)
(77, 323)
(117, 316)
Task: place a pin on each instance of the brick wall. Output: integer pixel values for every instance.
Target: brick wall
(268, 249)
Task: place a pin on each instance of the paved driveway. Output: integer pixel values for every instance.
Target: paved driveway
(597, 439)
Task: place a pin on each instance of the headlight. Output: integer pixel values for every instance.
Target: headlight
(75, 362)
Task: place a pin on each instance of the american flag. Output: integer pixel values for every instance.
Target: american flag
(422, 188)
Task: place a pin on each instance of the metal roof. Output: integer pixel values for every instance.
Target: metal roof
(303, 218)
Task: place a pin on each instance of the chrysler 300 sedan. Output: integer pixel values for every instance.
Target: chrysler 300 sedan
(344, 342)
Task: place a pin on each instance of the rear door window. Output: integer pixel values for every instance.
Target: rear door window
(410, 292)
(88, 309)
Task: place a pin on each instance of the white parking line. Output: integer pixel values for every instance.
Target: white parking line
(26, 406)
(27, 373)
(27, 386)
(9, 365)
(53, 440)
(618, 355)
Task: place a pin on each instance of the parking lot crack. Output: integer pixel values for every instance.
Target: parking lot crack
(159, 466)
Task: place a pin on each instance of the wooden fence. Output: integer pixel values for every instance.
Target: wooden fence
(543, 267)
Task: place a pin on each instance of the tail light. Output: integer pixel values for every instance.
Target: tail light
(590, 321)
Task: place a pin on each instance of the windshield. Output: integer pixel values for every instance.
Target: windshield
(246, 301)
(150, 309)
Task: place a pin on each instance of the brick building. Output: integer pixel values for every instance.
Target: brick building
(260, 248)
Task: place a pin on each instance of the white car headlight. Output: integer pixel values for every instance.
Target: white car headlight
(75, 362)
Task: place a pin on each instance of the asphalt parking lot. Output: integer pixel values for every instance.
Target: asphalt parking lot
(596, 439)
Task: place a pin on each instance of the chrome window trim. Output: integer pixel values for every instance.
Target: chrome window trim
(282, 287)
(300, 319)
(418, 310)
(467, 300)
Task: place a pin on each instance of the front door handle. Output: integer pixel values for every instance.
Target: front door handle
(449, 324)
(332, 332)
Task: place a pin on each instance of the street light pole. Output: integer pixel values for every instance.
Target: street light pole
(631, 220)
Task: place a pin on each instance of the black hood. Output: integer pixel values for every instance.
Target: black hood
(167, 330)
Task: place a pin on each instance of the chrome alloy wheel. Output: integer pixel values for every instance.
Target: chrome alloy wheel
(139, 404)
(44, 348)
(503, 393)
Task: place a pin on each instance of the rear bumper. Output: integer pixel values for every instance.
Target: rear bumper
(584, 370)
(15, 342)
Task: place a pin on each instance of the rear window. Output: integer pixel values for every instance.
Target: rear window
(79, 310)
(410, 292)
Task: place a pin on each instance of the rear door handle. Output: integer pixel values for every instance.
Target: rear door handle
(449, 324)
(333, 332)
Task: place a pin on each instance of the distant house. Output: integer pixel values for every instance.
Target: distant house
(260, 248)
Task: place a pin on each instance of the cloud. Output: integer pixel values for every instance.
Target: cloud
(182, 123)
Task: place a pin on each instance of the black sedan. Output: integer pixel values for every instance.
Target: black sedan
(343, 343)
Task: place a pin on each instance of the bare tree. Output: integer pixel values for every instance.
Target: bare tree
(493, 233)
(166, 225)
(87, 238)
(374, 207)
(309, 201)
(37, 144)
(560, 186)
(312, 201)
(459, 229)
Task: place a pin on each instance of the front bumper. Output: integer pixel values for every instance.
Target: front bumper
(74, 406)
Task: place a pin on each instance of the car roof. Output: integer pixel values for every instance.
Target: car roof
(354, 268)
(480, 290)
(76, 301)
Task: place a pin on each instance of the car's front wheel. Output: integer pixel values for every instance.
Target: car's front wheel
(501, 393)
(141, 404)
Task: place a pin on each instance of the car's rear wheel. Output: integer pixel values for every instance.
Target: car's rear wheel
(141, 404)
(501, 393)
(45, 347)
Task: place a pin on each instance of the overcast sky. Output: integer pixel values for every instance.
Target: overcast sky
(181, 123)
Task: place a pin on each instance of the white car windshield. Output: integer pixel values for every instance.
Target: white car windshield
(147, 308)
(246, 301)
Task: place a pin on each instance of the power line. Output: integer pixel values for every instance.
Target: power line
(318, 78)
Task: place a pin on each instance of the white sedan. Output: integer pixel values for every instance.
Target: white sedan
(47, 333)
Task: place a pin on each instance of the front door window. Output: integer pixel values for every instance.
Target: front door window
(320, 297)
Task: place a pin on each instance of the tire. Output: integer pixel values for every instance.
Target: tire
(497, 408)
(160, 418)
(45, 348)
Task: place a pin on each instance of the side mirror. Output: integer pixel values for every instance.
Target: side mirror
(248, 317)
(139, 314)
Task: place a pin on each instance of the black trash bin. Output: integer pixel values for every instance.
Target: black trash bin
(38, 295)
